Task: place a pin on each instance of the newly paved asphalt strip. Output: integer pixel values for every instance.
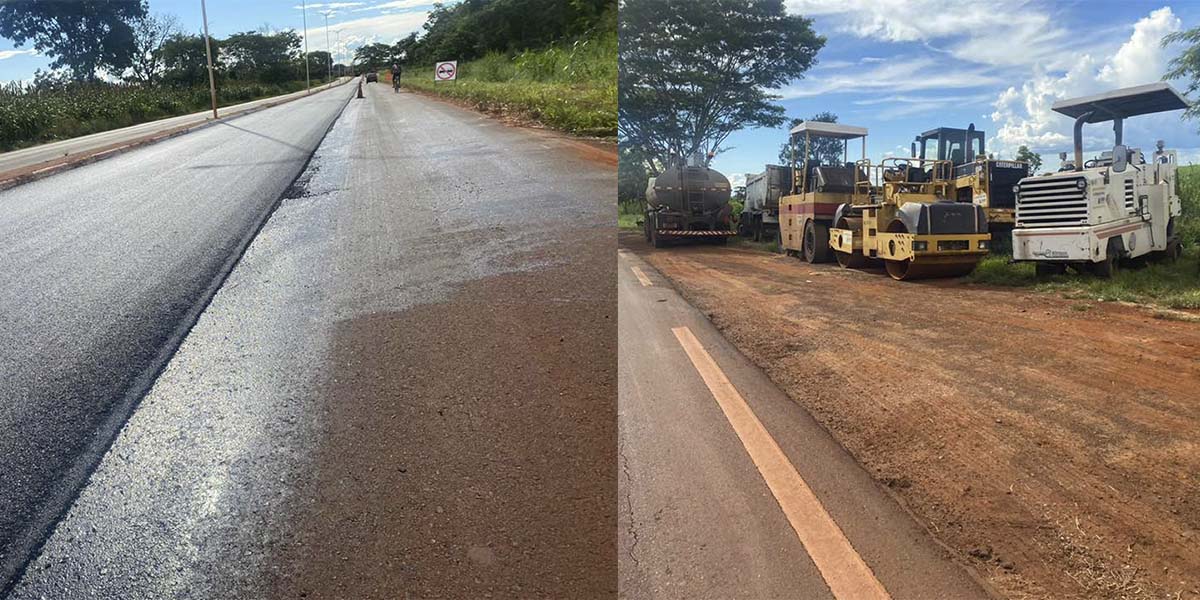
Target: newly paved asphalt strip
(728, 489)
(254, 469)
(104, 268)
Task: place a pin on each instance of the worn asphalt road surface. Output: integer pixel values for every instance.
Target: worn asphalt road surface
(697, 517)
(404, 388)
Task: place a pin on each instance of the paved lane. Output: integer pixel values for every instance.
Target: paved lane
(104, 268)
(704, 510)
(406, 387)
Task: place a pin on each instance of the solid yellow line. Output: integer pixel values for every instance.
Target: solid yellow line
(847, 575)
(641, 276)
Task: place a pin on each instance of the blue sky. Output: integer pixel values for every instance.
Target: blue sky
(361, 21)
(901, 67)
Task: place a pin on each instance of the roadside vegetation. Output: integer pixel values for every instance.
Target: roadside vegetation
(630, 214)
(138, 67)
(545, 61)
(570, 86)
(1175, 285)
(33, 114)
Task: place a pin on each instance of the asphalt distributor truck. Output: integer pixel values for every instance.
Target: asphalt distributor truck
(1119, 205)
(688, 201)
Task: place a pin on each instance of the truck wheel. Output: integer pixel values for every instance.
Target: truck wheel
(1108, 267)
(656, 239)
(646, 229)
(1043, 269)
(1174, 251)
(779, 242)
(816, 242)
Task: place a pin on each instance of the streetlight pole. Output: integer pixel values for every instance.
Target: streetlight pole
(328, 49)
(339, 40)
(307, 81)
(212, 83)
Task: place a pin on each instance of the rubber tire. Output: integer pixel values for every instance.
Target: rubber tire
(1043, 269)
(657, 240)
(816, 239)
(1109, 266)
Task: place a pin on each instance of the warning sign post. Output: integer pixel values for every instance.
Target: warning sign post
(446, 70)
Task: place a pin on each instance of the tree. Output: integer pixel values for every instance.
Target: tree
(184, 59)
(1187, 65)
(84, 36)
(1033, 158)
(822, 151)
(267, 57)
(150, 34)
(318, 64)
(632, 177)
(373, 57)
(691, 73)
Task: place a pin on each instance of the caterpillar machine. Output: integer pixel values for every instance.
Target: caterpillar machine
(1091, 214)
(977, 179)
(816, 190)
(910, 220)
(688, 201)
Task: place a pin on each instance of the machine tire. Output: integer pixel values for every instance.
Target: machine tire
(779, 242)
(657, 240)
(646, 229)
(1109, 266)
(1044, 269)
(1174, 251)
(816, 242)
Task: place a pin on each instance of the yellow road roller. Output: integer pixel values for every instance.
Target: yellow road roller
(904, 213)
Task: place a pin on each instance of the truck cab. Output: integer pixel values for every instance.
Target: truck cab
(1116, 205)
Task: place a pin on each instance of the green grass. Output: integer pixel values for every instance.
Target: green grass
(32, 115)
(630, 215)
(1174, 285)
(570, 87)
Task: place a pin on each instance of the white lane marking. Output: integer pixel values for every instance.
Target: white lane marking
(637, 271)
(847, 575)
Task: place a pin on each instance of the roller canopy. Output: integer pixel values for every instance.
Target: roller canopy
(1122, 103)
(830, 130)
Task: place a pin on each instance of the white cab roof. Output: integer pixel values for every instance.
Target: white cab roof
(830, 130)
(1122, 103)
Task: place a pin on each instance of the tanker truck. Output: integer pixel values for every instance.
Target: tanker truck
(688, 201)
(1092, 214)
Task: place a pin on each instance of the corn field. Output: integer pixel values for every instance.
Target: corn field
(32, 114)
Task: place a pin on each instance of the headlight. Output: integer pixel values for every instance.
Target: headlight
(1081, 184)
(920, 246)
(983, 244)
(1016, 189)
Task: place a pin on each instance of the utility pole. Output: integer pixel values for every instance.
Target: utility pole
(307, 81)
(212, 83)
(328, 49)
(339, 41)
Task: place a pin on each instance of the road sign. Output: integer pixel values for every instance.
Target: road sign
(446, 70)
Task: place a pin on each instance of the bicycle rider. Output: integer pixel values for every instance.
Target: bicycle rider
(395, 77)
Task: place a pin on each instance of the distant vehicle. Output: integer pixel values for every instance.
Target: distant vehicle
(1092, 214)
(688, 201)
(760, 215)
(372, 76)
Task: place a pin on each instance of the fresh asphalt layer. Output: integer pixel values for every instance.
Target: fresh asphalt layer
(105, 268)
(238, 474)
(702, 515)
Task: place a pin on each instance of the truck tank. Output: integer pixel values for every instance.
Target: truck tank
(687, 203)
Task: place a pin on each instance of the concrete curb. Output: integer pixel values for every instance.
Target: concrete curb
(23, 175)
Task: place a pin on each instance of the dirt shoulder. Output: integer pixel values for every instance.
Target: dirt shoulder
(1054, 447)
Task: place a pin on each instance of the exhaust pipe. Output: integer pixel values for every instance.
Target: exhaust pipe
(1079, 121)
(970, 154)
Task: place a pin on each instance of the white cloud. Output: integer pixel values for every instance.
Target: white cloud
(6, 54)
(328, 5)
(385, 28)
(909, 75)
(737, 180)
(396, 5)
(1023, 114)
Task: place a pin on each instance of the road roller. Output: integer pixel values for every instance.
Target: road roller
(817, 189)
(904, 213)
(688, 201)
